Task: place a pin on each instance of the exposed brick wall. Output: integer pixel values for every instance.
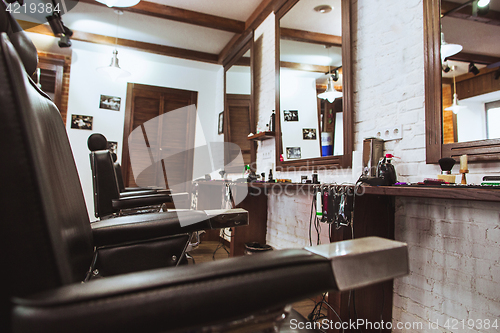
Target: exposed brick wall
(454, 245)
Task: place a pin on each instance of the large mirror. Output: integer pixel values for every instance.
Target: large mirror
(462, 85)
(238, 117)
(314, 118)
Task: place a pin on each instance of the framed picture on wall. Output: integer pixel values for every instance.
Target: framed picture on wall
(221, 122)
(110, 103)
(113, 146)
(309, 134)
(293, 153)
(291, 115)
(81, 122)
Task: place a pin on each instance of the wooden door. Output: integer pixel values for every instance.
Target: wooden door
(175, 135)
(238, 128)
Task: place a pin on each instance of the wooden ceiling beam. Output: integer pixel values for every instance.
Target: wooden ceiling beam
(310, 37)
(182, 15)
(141, 46)
(492, 17)
(475, 58)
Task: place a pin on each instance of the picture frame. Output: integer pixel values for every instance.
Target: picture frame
(110, 102)
(81, 122)
(293, 153)
(221, 123)
(291, 115)
(308, 134)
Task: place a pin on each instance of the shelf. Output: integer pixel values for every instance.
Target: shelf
(262, 136)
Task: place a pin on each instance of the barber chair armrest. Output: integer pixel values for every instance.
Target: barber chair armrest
(138, 192)
(209, 293)
(133, 228)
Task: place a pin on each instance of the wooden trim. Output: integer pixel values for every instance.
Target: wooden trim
(141, 46)
(432, 77)
(239, 48)
(310, 37)
(181, 15)
(305, 67)
(129, 110)
(345, 160)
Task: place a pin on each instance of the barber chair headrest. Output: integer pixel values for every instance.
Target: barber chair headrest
(22, 43)
(97, 141)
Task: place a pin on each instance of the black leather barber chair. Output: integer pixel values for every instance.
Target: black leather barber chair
(49, 247)
(97, 142)
(109, 201)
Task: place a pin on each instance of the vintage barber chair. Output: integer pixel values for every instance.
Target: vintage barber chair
(49, 247)
(109, 201)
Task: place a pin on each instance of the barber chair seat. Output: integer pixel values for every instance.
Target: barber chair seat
(48, 245)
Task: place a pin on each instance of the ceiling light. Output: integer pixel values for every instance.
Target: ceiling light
(473, 69)
(330, 93)
(113, 70)
(119, 3)
(483, 3)
(323, 9)
(447, 50)
(455, 107)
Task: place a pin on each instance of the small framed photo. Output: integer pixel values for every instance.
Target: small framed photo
(309, 134)
(81, 122)
(113, 146)
(110, 103)
(291, 115)
(221, 122)
(293, 153)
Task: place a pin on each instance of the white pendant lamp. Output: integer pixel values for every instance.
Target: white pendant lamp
(119, 3)
(114, 71)
(447, 50)
(330, 93)
(455, 107)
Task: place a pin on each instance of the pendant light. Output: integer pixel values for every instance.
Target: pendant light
(447, 50)
(330, 93)
(119, 3)
(113, 70)
(455, 107)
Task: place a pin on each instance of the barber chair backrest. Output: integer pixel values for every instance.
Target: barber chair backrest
(45, 236)
(104, 182)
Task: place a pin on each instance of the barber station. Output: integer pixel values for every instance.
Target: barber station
(241, 166)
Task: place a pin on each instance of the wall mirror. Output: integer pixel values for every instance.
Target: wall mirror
(238, 103)
(462, 89)
(313, 55)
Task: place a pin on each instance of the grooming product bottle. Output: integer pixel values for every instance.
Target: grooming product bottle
(272, 122)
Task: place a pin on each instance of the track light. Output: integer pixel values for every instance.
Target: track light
(483, 3)
(473, 69)
(60, 30)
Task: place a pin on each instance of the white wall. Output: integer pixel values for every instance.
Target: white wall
(471, 121)
(86, 86)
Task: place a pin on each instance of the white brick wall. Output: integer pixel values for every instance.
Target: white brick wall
(454, 245)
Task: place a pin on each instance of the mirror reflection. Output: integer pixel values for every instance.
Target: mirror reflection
(311, 117)
(470, 78)
(238, 108)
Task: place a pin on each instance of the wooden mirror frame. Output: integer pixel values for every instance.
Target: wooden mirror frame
(328, 162)
(233, 58)
(477, 151)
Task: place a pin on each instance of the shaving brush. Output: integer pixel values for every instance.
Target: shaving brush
(446, 165)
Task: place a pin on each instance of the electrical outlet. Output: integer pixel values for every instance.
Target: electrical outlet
(390, 133)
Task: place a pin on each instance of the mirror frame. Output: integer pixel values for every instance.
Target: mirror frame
(477, 151)
(245, 43)
(329, 162)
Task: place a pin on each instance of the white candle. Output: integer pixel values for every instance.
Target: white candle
(463, 162)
